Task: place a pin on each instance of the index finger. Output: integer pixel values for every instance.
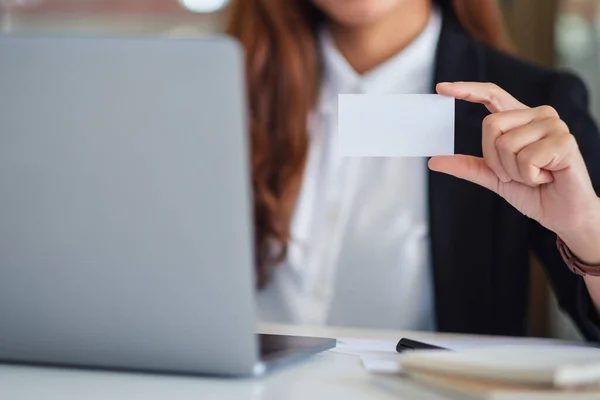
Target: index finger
(492, 96)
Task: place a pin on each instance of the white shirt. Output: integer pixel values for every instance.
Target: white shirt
(360, 242)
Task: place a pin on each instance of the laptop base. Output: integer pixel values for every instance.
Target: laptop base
(280, 350)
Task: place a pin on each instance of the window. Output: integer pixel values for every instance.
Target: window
(577, 38)
(177, 17)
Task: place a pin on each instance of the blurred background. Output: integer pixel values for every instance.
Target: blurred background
(559, 33)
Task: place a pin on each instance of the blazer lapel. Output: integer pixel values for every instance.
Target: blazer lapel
(461, 249)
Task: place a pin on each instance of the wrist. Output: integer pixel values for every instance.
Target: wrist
(584, 239)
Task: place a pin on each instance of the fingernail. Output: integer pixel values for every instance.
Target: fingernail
(444, 83)
(505, 178)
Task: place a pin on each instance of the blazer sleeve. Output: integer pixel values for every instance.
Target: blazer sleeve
(568, 95)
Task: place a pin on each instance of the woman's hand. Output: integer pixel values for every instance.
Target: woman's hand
(530, 159)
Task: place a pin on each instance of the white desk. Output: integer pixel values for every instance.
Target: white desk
(327, 376)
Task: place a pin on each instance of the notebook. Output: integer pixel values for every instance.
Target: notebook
(465, 388)
(510, 372)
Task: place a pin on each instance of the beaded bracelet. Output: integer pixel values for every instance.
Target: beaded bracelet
(575, 264)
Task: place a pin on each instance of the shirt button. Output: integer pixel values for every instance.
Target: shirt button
(333, 214)
(359, 88)
(317, 291)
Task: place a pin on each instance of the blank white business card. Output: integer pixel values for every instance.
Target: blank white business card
(404, 125)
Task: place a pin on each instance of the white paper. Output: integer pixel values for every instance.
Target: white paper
(356, 346)
(404, 125)
(380, 356)
(382, 365)
(376, 356)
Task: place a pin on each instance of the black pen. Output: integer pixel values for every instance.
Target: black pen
(409, 344)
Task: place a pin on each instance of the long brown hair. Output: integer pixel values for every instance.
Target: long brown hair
(283, 75)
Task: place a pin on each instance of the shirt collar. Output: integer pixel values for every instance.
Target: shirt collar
(401, 74)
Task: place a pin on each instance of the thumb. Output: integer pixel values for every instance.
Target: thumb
(472, 169)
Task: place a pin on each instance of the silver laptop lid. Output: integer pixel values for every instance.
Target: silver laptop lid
(125, 219)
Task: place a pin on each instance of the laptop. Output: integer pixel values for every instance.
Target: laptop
(125, 208)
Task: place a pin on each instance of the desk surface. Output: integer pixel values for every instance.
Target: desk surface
(328, 376)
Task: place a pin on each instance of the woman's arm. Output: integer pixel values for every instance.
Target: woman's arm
(532, 160)
(585, 244)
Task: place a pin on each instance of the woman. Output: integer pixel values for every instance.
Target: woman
(386, 242)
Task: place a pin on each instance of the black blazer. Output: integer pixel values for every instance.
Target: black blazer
(480, 244)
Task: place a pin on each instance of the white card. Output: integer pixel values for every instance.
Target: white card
(404, 125)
